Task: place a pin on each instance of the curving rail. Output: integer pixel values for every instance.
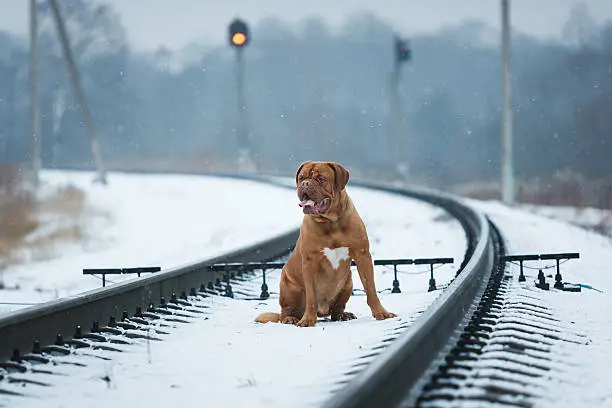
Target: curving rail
(42, 323)
(399, 374)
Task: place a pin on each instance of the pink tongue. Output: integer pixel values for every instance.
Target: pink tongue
(307, 203)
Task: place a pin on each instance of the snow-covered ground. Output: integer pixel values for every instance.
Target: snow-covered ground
(596, 219)
(228, 360)
(142, 220)
(582, 380)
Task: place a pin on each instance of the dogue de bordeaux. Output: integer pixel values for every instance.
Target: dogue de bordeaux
(316, 280)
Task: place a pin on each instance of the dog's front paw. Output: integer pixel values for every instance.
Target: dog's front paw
(289, 320)
(383, 314)
(344, 316)
(307, 321)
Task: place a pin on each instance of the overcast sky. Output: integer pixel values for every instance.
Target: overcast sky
(175, 23)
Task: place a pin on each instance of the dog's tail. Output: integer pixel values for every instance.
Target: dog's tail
(268, 318)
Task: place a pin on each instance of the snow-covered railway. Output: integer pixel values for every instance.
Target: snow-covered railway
(190, 341)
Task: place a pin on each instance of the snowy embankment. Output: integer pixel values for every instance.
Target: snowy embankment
(596, 219)
(228, 360)
(582, 379)
(142, 220)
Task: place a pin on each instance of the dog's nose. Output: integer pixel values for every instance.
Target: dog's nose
(305, 183)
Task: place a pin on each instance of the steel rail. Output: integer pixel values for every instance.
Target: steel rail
(19, 329)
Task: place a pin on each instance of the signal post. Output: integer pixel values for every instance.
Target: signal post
(239, 37)
(402, 54)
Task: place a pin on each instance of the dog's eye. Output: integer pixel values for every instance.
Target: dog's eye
(321, 179)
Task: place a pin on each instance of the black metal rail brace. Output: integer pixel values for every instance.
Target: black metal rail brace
(230, 268)
(120, 271)
(543, 257)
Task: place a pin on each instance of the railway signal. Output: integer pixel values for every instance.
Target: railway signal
(238, 33)
(239, 37)
(402, 53)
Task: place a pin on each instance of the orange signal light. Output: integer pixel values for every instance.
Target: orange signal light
(239, 39)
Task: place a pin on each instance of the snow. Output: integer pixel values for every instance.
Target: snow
(582, 380)
(228, 360)
(149, 220)
(596, 219)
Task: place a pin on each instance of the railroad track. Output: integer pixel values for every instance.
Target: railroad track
(400, 375)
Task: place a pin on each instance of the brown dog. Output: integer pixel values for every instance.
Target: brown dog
(316, 280)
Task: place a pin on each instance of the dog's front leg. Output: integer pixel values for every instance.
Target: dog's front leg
(309, 270)
(365, 267)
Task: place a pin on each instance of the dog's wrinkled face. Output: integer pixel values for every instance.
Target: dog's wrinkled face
(318, 184)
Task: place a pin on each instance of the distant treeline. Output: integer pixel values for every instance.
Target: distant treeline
(314, 94)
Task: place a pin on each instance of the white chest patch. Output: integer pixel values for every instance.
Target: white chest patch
(336, 255)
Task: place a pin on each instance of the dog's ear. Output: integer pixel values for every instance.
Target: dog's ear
(297, 173)
(341, 176)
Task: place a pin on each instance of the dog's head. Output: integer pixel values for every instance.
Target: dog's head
(319, 185)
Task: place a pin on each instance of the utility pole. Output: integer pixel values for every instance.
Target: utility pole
(78, 90)
(10, 112)
(35, 125)
(59, 107)
(395, 110)
(507, 164)
(243, 127)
